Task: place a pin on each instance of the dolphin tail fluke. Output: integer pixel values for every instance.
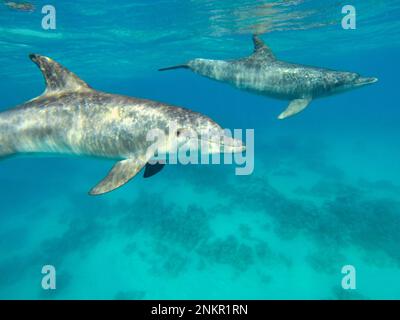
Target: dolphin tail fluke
(295, 107)
(181, 66)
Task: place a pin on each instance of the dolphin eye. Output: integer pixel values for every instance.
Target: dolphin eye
(183, 133)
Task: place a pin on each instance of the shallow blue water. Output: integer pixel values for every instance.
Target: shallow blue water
(324, 192)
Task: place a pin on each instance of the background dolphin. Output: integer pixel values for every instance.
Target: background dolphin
(262, 73)
(72, 118)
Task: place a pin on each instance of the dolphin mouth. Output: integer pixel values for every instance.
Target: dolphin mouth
(225, 145)
(231, 145)
(364, 81)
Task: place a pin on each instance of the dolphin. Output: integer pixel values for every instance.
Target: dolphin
(70, 117)
(262, 73)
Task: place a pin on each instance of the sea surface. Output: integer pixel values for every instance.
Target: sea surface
(325, 191)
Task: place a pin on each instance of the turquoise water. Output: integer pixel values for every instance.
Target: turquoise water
(326, 184)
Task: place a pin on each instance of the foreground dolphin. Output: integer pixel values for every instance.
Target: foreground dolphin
(263, 74)
(72, 118)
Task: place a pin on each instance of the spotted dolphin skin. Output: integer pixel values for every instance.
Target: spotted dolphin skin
(263, 74)
(72, 118)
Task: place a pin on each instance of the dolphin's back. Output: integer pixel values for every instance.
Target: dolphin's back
(288, 81)
(274, 78)
(89, 123)
(41, 125)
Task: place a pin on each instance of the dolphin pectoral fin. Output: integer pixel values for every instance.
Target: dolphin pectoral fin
(152, 169)
(295, 106)
(121, 173)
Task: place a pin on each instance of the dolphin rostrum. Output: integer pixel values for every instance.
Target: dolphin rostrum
(263, 74)
(72, 118)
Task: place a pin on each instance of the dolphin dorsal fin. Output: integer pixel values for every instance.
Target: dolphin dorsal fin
(261, 50)
(57, 77)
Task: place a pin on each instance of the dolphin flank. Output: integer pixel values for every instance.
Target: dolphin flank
(72, 118)
(263, 74)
